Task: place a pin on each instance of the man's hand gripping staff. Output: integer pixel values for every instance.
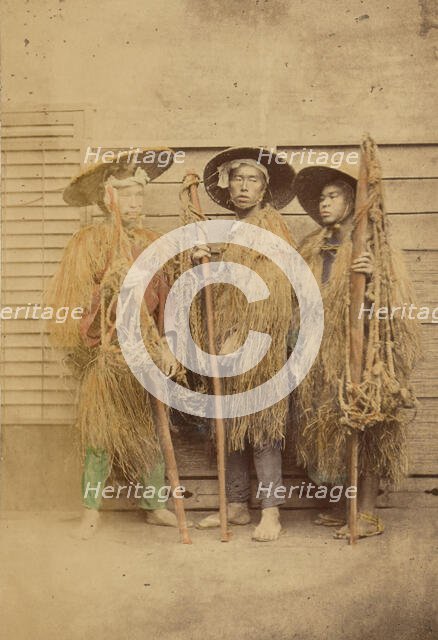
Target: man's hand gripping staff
(190, 199)
(170, 368)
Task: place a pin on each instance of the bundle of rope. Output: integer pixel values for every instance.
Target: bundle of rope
(382, 391)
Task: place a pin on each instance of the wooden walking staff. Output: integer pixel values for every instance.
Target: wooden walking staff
(166, 443)
(168, 451)
(163, 429)
(357, 297)
(216, 381)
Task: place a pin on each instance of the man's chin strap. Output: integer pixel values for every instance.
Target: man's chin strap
(336, 227)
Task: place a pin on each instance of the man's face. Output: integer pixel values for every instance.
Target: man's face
(130, 201)
(247, 186)
(332, 204)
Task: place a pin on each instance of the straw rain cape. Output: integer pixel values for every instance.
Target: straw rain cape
(272, 316)
(329, 406)
(114, 412)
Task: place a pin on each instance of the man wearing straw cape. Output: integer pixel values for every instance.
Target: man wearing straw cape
(254, 190)
(116, 416)
(331, 406)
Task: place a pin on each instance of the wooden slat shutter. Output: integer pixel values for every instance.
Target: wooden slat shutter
(40, 153)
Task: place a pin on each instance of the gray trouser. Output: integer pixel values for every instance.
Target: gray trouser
(267, 462)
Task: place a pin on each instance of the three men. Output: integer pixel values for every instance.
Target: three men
(115, 413)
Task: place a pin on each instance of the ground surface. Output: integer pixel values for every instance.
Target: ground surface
(134, 581)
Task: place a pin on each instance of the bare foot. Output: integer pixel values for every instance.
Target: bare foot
(269, 527)
(368, 525)
(238, 513)
(164, 518)
(89, 524)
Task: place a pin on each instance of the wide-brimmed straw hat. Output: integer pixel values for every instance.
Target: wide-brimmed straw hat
(281, 175)
(88, 187)
(310, 182)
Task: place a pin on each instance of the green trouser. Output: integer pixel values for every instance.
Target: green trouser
(97, 469)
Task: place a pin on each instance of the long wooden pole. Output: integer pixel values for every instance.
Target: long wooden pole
(357, 296)
(166, 444)
(217, 386)
(159, 410)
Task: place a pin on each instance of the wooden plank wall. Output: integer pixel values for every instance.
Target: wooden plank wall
(40, 152)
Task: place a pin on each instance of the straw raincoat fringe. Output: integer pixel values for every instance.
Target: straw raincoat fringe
(234, 319)
(329, 405)
(114, 410)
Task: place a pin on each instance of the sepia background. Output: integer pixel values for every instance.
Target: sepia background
(198, 76)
